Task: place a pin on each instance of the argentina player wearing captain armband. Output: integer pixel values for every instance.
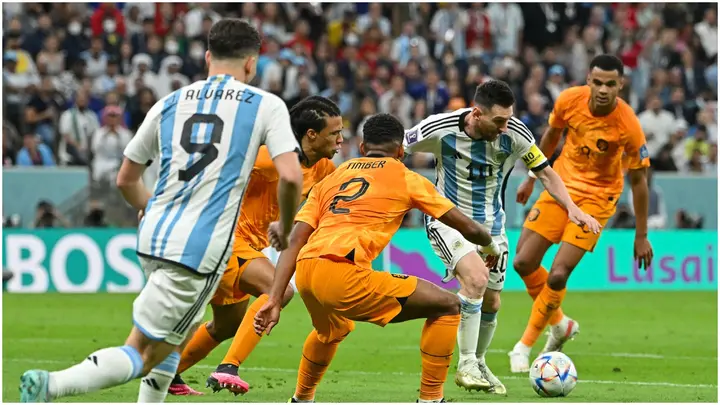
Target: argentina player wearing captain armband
(475, 150)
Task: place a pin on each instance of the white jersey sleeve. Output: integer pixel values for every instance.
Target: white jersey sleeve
(425, 136)
(524, 147)
(278, 133)
(144, 147)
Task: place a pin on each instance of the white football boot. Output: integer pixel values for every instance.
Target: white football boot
(559, 334)
(520, 358)
(468, 376)
(497, 387)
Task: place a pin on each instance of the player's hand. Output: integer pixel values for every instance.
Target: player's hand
(525, 191)
(267, 317)
(278, 239)
(581, 219)
(643, 252)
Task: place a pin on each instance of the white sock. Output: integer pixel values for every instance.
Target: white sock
(103, 369)
(154, 386)
(488, 323)
(521, 348)
(469, 327)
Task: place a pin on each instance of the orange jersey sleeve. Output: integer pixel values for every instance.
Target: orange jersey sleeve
(562, 104)
(260, 205)
(358, 208)
(591, 162)
(425, 197)
(636, 151)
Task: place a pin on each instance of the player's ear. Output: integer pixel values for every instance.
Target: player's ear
(362, 148)
(400, 152)
(208, 58)
(588, 80)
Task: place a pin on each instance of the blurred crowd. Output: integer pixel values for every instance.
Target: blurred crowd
(78, 78)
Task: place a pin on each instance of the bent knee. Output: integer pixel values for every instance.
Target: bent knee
(525, 265)
(451, 304)
(224, 329)
(558, 277)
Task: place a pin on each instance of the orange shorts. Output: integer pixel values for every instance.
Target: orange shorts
(338, 293)
(228, 292)
(549, 219)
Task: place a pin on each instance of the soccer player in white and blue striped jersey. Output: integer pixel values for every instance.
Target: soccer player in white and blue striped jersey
(475, 150)
(206, 136)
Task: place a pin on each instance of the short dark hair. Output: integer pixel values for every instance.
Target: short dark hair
(233, 38)
(310, 113)
(494, 92)
(381, 129)
(607, 63)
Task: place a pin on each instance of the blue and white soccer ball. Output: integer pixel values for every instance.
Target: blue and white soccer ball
(553, 375)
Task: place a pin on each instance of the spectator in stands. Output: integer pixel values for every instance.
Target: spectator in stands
(337, 93)
(77, 124)
(194, 19)
(708, 33)
(34, 152)
(41, 112)
(507, 22)
(697, 143)
(397, 102)
(108, 144)
(16, 87)
(657, 124)
(51, 57)
(96, 59)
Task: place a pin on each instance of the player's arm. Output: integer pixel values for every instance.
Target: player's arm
(639, 161)
(139, 154)
(556, 125)
(284, 150)
(307, 221)
(425, 136)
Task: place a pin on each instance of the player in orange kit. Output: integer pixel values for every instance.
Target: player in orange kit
(602, 130)
(347, 221)
(318, 125)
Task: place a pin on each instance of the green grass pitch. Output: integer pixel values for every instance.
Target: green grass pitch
(633, 347)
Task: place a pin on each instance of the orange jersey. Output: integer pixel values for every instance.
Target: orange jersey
(357, 209)
(597, 150)
(260, 204)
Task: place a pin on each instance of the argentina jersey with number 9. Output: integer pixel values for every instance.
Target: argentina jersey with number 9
(206, 137)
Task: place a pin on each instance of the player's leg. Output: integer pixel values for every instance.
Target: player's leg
(229, 306)
(437, 342)
(576, 241)
(226, 320)
(320, 347)
(463, 262)
(256, 280)
(488, 318)
(543, 227)
(163, 313)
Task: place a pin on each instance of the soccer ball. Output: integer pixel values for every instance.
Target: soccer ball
(553, 375)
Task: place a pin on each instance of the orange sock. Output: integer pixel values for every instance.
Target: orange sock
(316, 357)
(245, 338)
(200, 345)
(545, 305)
(436, 349)
(534, 283)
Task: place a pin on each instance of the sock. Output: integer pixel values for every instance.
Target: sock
(199, 346)
(467, 336)
(103, 369)
(245, 338)
(546, 303)
(316, 357)
(488, 323)
(436, 349)
(534, 283)
(154, 386)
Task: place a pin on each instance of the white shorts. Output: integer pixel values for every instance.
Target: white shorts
(173, 300)
(450, 246)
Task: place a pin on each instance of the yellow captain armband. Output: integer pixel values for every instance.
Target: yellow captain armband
(534, 157)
